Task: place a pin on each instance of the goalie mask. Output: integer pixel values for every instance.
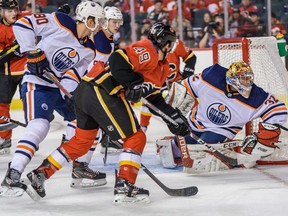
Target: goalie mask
(241, 77)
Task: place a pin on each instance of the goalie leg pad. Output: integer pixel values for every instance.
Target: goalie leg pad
(165, 153)
(205, 161)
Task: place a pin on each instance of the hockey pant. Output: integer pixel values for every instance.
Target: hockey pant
(96, 108)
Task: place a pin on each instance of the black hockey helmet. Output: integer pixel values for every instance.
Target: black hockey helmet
(8, 4)
(161, 34)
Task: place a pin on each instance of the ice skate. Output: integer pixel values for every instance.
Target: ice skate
(36, 188)
(5, 145)
(84, 177)
(11, 185)
(110, 146)
(126, 193)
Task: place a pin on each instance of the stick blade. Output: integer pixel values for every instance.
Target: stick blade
(7, 126)
(188, 191)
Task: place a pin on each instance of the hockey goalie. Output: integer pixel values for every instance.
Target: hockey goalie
(226, 99)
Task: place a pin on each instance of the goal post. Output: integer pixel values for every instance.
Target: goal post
(270, 73)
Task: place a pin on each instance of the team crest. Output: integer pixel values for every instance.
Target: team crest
(110, 128)
(65, 59)
(219, 114)
(44, 106)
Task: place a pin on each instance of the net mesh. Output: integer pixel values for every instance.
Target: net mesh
(269, 73)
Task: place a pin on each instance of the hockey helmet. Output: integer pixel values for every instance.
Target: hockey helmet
(161, 34)
(86, 9)
(240, 76)
(113, 13)
(8, 4)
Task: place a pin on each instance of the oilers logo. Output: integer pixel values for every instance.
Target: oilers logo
(65, 58)
(219, 114)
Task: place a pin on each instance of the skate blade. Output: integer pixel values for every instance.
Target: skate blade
(11, 192)
(123, 200)
(87, 183)
(30, 190)
(111, 151)
(5, 151)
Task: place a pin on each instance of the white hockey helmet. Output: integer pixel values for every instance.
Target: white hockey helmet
(240, 76)
(86, 9)
(113, 13)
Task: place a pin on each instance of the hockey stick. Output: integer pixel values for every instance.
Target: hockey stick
(56, 82)
(188, 191)
(230, 161)
(12, 124)
(281, 126)
(9, 51)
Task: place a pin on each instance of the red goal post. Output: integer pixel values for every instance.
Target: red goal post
(270, 73)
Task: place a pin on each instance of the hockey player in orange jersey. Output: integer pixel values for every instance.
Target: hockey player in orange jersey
(136, 71)
(174, 60)
(11, 66)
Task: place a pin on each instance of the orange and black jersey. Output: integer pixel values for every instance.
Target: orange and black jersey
(135, 62)
(173, 58)
(11, 65)
(132, 63)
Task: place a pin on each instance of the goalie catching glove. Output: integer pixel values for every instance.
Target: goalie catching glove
(37, 62)
(182, 128)
(262, 143)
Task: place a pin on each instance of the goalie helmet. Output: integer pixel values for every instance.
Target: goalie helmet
(86, 9)
(161, 34)
(240, 76)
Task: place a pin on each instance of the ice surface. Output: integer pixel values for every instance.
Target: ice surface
(261, 191)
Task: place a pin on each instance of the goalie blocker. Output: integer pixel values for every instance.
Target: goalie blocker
(256, 146)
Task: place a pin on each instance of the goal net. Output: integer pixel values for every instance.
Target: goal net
(269, 73)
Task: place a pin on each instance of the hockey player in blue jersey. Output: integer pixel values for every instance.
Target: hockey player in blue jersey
(65, 51)
(228, 100)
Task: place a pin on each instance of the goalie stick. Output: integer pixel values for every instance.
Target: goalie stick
(11, 124)
(281, 126)
(225, 159)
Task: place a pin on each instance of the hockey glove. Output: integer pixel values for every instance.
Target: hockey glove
(183, 128)
(187, 71)
(134, 91)
(65, 8)
(16, 52)
(37, 62)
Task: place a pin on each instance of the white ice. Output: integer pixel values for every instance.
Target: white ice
(261, 191)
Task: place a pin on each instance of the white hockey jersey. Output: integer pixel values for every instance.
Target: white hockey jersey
(68, 55)
(224, 112)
